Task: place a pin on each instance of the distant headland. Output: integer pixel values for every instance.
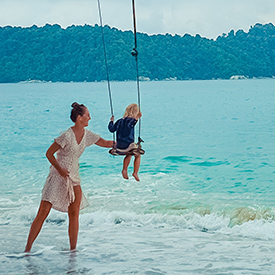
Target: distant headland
(51, 53)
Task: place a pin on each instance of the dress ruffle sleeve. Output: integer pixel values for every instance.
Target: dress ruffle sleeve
(62, 139)
(91, 138)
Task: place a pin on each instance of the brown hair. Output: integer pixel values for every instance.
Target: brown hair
(78, 110)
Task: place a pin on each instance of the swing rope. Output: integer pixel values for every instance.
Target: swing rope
(106, 66)
(135, 54)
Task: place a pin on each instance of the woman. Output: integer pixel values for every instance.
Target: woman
(62, 190)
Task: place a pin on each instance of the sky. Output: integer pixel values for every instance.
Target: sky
(208, 18)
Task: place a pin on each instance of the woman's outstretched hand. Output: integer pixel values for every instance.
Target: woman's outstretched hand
(112, 118)
(105, 143)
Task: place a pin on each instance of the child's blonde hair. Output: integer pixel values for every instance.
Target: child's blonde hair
(131, 111)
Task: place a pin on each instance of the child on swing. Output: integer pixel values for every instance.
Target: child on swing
(125, 136)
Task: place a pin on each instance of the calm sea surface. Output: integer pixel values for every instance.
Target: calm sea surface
(206, 200)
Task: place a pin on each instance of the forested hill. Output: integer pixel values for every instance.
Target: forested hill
(51, 53)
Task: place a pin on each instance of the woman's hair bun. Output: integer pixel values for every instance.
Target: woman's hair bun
(78, 110)
(75, 105)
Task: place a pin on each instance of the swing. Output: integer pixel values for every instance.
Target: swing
(137, 150)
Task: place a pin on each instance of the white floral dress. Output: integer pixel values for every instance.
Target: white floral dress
(57, 189)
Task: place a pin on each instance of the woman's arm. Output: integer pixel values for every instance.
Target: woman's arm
(50, 156)
(105, 143)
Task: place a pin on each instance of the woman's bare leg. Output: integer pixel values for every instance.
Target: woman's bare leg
(73, 212)
(136, 167)
(36, 226)
(126, 163)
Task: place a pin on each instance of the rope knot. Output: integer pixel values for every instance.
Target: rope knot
(134, 52)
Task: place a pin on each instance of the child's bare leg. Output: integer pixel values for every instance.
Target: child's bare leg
(136, 167)
(126, 163)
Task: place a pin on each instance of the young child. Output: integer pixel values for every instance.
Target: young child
(125, 136)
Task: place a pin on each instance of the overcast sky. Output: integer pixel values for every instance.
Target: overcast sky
(209, 18)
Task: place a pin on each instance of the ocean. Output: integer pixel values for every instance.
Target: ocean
(205, 200)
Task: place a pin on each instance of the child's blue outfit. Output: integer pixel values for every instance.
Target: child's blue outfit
(125, 134)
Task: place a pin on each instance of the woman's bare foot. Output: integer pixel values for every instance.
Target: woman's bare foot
(125, 174)
(135, 176)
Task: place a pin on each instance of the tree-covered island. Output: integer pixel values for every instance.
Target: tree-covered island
(51, 53)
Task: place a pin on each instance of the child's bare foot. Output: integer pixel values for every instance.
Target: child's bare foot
(136, 176)
(125, 174)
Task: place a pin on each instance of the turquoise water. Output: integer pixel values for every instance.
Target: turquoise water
(205, 202)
